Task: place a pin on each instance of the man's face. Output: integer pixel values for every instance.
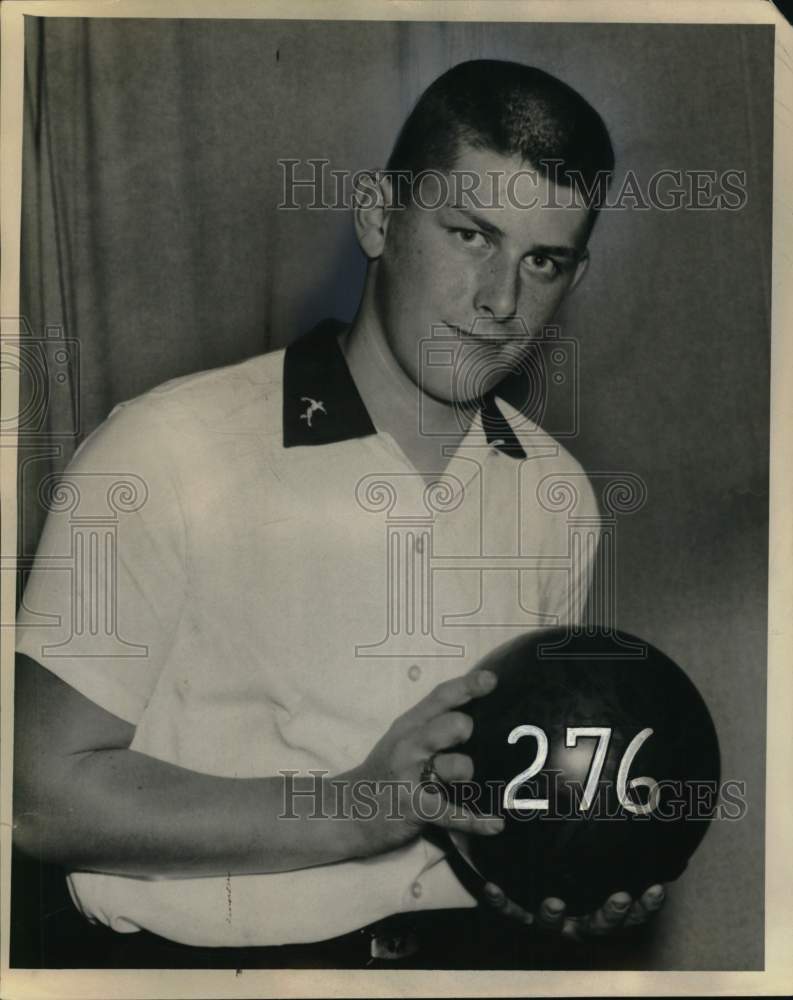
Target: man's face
(480, 281)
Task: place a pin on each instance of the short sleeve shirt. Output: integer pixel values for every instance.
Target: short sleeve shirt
(243, 567)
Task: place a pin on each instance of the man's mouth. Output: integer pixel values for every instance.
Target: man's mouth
(497, 339)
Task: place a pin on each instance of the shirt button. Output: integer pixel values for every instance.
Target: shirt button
(416, 890)
(414, 672)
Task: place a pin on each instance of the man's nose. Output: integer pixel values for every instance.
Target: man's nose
(497, 296)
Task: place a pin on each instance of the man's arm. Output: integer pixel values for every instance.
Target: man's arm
(84, 800)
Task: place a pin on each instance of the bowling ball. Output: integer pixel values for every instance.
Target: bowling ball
(645, 720)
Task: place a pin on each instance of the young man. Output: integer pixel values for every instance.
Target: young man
(291, 584)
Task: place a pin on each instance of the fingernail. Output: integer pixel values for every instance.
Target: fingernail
(493, 891)
(621, 902)
(487, 680)
(554, 905)
(656, 892)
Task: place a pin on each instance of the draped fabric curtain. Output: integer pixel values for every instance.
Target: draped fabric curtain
(150, 244)
(153, 246)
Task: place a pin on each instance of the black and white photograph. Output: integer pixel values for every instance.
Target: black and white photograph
(388, 585)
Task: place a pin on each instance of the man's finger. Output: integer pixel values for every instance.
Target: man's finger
(610, 916)
(452, 694)
(433, 807)
(447, 730)
(653, 899)
(647, 906)
(550, 916)
(454, 767)
(572, 929)
(498, 899)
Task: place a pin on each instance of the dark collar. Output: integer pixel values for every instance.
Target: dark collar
(322, 403)
(497, 429)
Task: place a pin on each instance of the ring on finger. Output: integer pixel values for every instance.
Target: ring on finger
(429, 776)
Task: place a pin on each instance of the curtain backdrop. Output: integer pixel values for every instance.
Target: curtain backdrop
(153, 247)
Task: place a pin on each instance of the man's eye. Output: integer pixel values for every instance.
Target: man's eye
(545, 265)
(471, 237)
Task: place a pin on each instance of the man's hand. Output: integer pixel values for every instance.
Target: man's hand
(618, 912)
(392, 772)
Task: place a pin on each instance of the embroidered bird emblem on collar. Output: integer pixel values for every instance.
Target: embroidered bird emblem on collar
(314, 406)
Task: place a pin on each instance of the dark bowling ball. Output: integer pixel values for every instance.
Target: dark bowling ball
(554, 680)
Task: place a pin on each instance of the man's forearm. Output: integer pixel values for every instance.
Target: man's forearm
(122, 812)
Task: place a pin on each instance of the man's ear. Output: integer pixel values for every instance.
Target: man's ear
(373, 207)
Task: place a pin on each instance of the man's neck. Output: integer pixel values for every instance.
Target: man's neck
(427, 430)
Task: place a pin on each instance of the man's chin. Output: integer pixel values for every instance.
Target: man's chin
(464, 389)
(463, 402)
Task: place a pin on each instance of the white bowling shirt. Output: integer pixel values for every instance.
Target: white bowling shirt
(255, 591)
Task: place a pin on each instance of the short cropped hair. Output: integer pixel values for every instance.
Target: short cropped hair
(515, 110)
